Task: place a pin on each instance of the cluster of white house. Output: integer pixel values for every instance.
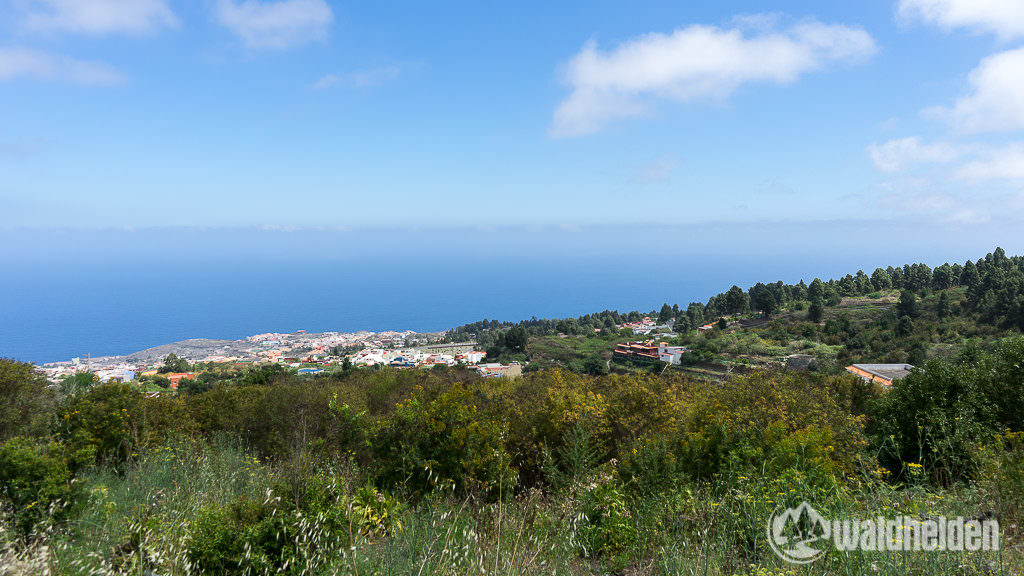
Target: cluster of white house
(119, 372)
(645, 326)
(424, 357)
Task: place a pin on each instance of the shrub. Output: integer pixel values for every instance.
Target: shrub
(36, 481)
(936, 417)
(245, 537)
(1002, 476)
(374, 512)
(115, 421)
(441, 441)
(26, 409)
(594, 365)
(610, 528)
(651, 466)
(578, 454)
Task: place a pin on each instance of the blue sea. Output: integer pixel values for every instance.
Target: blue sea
(110, 293)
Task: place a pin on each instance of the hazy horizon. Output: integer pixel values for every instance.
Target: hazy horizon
(112, 292)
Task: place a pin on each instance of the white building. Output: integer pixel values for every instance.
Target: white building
(671, 354)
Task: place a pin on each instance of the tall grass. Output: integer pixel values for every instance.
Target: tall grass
(140, 517)
(140, 521)
(140, 527)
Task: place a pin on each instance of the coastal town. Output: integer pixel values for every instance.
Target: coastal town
(313, 353)
(308, 353)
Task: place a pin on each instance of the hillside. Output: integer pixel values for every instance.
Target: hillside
(904, 314)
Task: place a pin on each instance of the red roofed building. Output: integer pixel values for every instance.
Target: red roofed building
(176, 377)
(637, 351)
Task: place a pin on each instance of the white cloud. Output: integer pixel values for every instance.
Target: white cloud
(362, 79)
(895, 155)
(1006, 163)
(996, 100)
(694, 63)
(23, 62)
(275, 25)
(1002, 17)
(99, 17)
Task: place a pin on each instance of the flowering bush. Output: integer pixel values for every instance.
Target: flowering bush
(442, 441)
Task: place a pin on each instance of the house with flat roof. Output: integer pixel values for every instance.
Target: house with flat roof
(637, 352)
(882, 373)
(513, 370)
(648, 351)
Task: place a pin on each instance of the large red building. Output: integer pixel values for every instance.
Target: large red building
(176, 377)
(637, 351)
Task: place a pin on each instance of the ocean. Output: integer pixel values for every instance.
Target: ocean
(57, 315)
(127, 292)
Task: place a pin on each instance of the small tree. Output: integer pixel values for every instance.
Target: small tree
(77, 383)
(880, 279)
(26, 403)
(515, 339)
(766, 303)
(666, 314)
(905, 327)
(815, 312)
(816, 291)
(174, 363)
(736, 300)
(943, 308)
(907, 305)
(595, 365)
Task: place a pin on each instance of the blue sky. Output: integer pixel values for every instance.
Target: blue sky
(327, 114)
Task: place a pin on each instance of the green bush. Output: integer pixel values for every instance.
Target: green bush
(245, 537)
(443, 441)
(117, 421)
(28, 403)
(36, 481)
(1002, 476)
(368, 511)
(937, 418)
(652, 467)
(610, 528)
(375, 513)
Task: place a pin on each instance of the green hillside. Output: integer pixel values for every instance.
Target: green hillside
(904, 314)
